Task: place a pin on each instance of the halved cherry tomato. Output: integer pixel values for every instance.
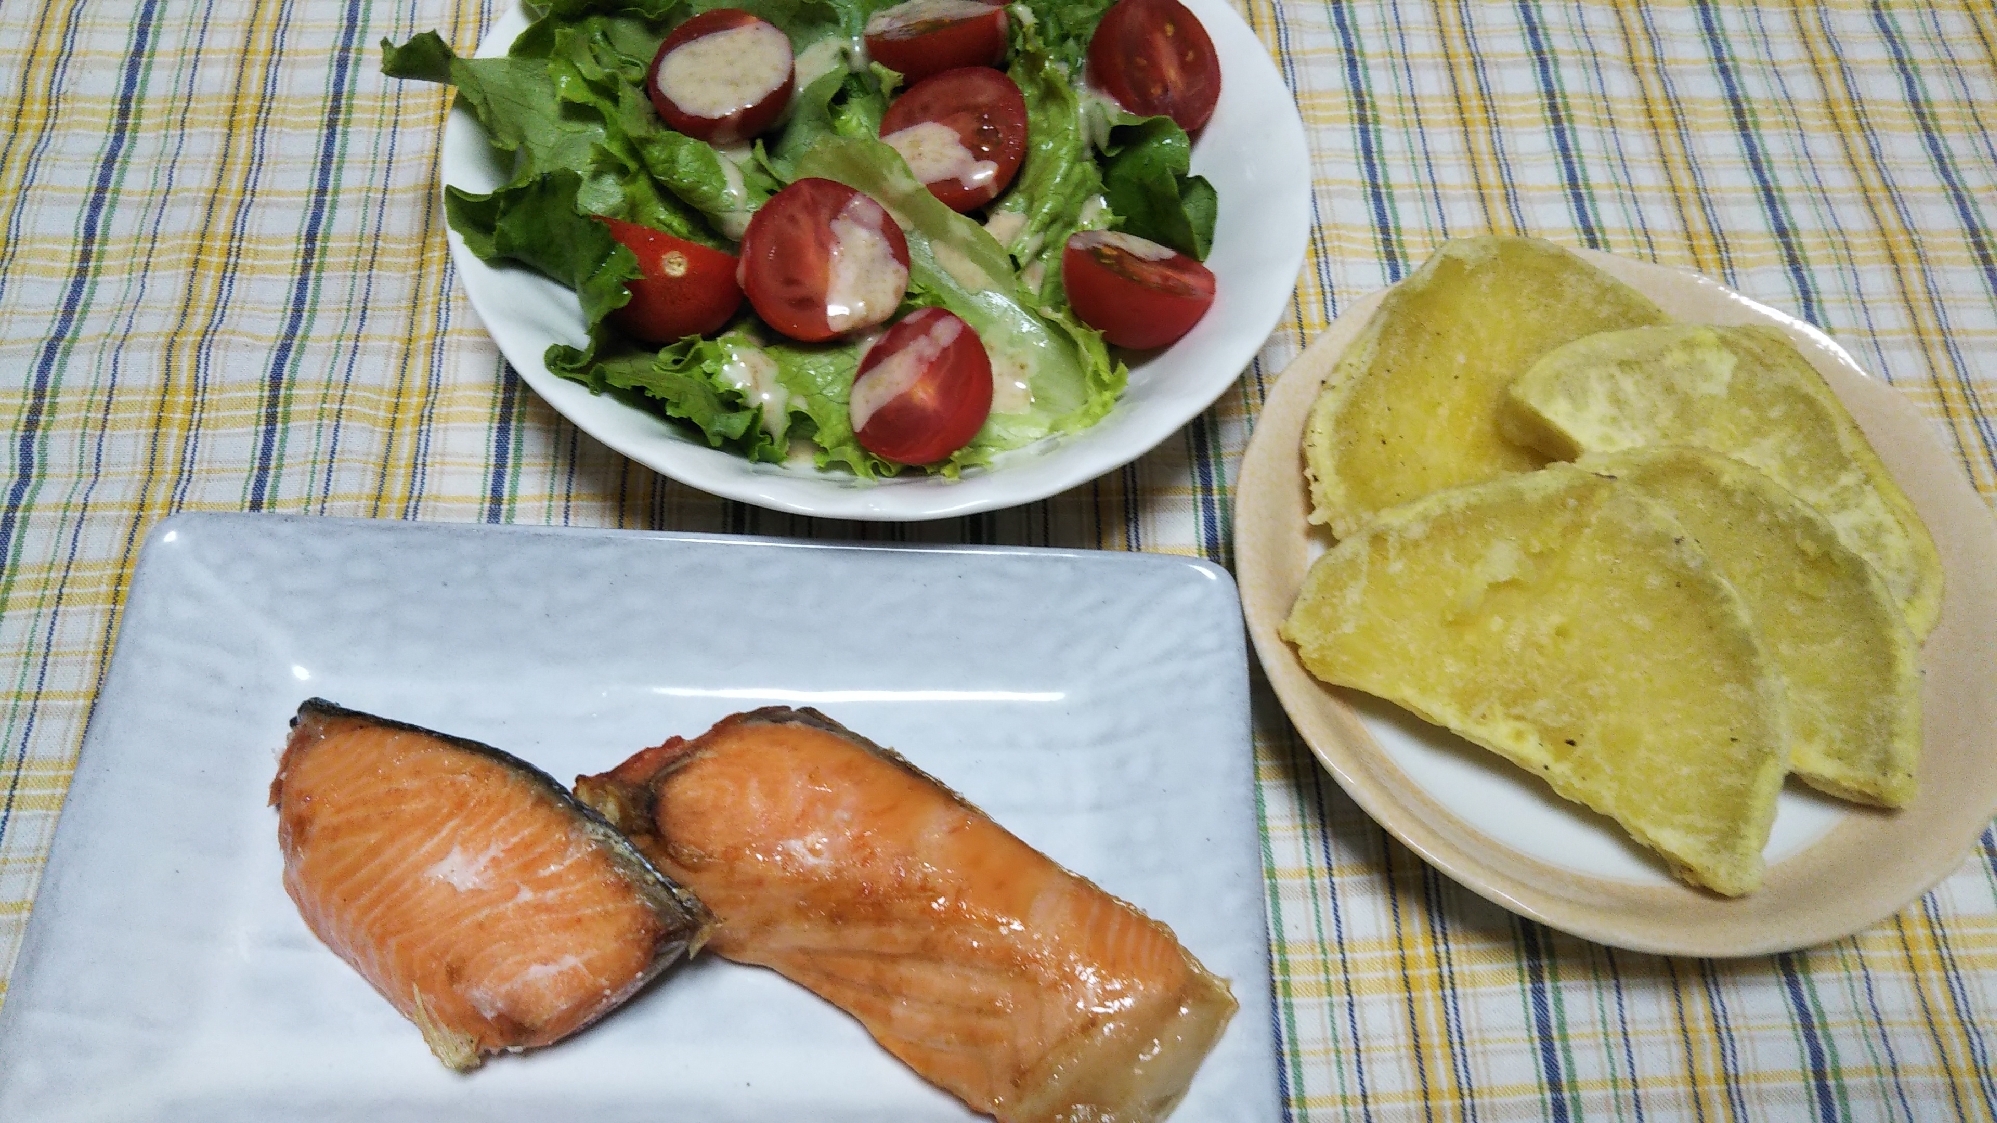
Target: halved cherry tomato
(1138, 293)
(687, 289)
(923, 391)
(820, 260)
(1155, 59)
(963, 133)
(722, 76)
(924, 37)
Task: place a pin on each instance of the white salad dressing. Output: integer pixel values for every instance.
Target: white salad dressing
(935, 153)
(922, 11)
(1099, 111)
(864, 282)
(800, 453)
(819, 59)
(1128, 243)
(1012, 382)
(734, 222)
(751, 370)
(1004, 226)
(726, 72)
(961, 268)
(829, 54)
(899, 371)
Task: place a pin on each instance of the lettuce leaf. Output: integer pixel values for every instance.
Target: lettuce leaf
(569, 96)
(1060, 29)
(840, 103)
(1148, 187)
(1059, 187)
(819, 378)
(688, 382)
(538, 224)
(1145, 184)
(954, 263)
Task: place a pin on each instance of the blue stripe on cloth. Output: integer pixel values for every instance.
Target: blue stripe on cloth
(1703, 196)
(1550, 95)
(1813, 1043)
(1965, 207)
(1533, 952)
(1723, 1033)
(1949, 1081)
(1210, 489)
(1282, 1005)
(502, 446)
(1341, 948)
(1365, 121)
(1481, 78)
(318, 213)
(1965, 1010)
(11, 243)
(1633, 211)
(1897, 203)
(1758, 167)
(1944, 165)
(1685, 1037)
(28, 438)
(1317, 254)
(1457, 1034)
(42, 381)
(1869, 984)
(1623, 1031)
(1417, 1048)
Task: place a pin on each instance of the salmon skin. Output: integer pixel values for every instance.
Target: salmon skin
(467, 886)
(1020, 988)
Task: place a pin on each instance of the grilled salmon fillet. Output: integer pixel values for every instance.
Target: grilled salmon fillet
(1024, 990)
(469, 888)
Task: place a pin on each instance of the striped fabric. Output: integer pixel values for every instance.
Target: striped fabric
(223, 286)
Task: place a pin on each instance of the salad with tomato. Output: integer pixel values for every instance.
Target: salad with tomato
(879, 235)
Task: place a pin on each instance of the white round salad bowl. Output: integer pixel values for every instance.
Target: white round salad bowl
(1253, 152)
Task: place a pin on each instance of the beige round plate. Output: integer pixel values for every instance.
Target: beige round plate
(1834, 868)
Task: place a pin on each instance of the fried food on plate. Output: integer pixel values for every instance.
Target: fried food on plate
(1570, 624)
(1410, 407)
(1745, 392)
(1834, 631)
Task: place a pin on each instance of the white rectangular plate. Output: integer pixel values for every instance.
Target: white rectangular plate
(1096, 704)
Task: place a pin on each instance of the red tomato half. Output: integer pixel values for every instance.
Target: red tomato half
(923, 391)
(820, 260)
(1139, 294)
(1155, 59)
(924, 37)
(963, 133)
(687, 289)
(722, 76)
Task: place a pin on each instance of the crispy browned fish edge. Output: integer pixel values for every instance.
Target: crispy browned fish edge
(627, 802)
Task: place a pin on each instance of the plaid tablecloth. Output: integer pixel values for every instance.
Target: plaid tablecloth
(223, 286)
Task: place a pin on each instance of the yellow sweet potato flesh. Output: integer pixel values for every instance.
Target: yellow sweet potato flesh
(1410, 408)
(1570, 624)
(1835, 633)
(1745, 392)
